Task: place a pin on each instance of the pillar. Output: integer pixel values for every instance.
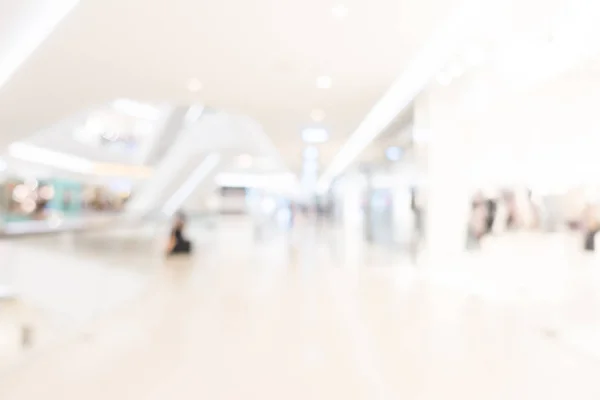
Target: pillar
(445, 157)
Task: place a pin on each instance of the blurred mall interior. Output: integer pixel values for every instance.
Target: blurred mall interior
(385, 199)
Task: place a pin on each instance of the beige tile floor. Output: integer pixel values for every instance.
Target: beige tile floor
(316, 315)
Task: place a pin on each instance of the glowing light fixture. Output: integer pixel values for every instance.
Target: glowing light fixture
(47, 192)
(38, 155)
(340, 11)
(20, 193)
(51, 158)
(28, 205)
(324, 82)
(315, 135)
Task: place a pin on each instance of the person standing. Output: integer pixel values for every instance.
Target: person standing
(590, 228)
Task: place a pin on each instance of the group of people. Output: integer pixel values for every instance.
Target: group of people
(485, 217)
(494, 215)
(498, 214)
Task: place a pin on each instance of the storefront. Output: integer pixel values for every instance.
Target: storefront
(38, 200)
(26, 200)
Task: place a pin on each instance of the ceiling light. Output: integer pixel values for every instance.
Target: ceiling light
(324, 82)
(194, 85)
(339, 11)
(39, 155)
(315, 135)
(317, 115)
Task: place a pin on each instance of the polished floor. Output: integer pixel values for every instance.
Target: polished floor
(316, 314)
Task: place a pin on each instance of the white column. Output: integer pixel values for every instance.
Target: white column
(447, 153)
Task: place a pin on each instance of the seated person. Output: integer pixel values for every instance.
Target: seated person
(178, 244)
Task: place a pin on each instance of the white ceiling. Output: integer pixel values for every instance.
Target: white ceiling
(259, 58)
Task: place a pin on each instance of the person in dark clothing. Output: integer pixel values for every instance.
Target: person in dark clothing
(178, 244)
(491, 207)
(590, 228)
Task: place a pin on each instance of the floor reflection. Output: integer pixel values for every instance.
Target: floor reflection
(310, 313)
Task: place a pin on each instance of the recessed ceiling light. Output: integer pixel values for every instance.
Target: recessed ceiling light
(324, 82)
(339, 11)
(317, 115)
(194, 85)
(315, 135)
